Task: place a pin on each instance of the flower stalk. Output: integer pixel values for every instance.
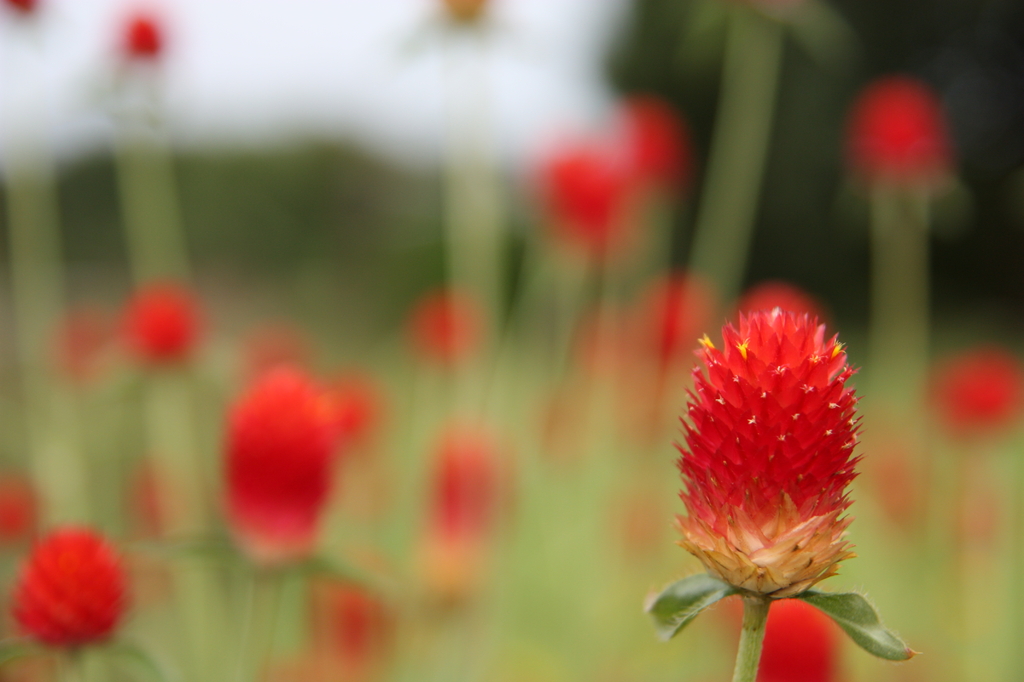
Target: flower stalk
(755, 620)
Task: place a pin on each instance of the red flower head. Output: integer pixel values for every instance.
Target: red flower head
(658, 145)
(769, 454)
(280, 441)
(674, 311)
(23, 6)
(359, 626)
(979, 392)
(465, 11)
(779, 294)
(82, 337)
(466, 484)
(18, 507)
(445, 327)
(143, 38)
(897, 133)
(800, 645)
(586, 190)
(71, 590)
(162, 323)
(357, 403)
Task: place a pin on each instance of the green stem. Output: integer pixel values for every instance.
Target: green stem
(259, 624)
(755, 619)
(739, 148)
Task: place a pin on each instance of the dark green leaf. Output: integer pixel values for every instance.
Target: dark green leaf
(855, 614)
(138, 657)
(679, 603)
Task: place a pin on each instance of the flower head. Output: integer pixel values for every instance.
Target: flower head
(445, 327)
(769, 454)
(280, 441)
(897, 133)
(23, 6)
(465, 11)
(71, 590)
(18, 507)
(657, 141)
(978, 392)
(162, 323)
(143, 38)
(465, 485)
(586, 189)
(800, 645)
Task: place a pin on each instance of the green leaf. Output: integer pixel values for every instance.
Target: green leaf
(137, 656)
(679, 603)
(13, 649)
(855, 615)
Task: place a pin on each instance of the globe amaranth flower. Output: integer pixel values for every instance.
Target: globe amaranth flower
(769, 447)
(897, 134)
(280, 444)
(162, 323)
(22, 6)
(445, 327)
(18, 508)
(657, 144)
(71, 590)
(143, 38)
(978, 392)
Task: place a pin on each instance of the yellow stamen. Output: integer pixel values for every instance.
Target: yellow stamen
(743, 348)
(706, 342)
(836, 350)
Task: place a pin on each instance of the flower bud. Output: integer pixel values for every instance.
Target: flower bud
(143, 38)
(162, 323)
(979, 392)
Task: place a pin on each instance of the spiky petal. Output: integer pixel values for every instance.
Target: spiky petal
(769, 455)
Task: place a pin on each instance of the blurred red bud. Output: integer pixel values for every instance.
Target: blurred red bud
(143, 37)
(445, 327)
(466, 11)
(979, 392)
(672, 315)
(657, 142)
(23, 6)
(18, 508)
(162, 323)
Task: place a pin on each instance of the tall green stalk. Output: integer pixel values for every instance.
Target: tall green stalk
(755, 620)
(739, 148)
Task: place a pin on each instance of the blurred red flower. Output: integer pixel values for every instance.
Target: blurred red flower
(466, 485)
(162, 323)
(18, 508)
(71, 590)
(445, 327)
(280, 439)
(978, 392)
(359, 624)
(772, 294)
(769, 454)
(897, 133)
(465, 10)
(24, 6)
(657, 143)
(673, 312)
(143, 38)
(82, 336)
(800, 644)
(586, 190)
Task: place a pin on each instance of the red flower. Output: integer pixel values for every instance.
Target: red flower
(979, 391)
(445, 327)
(465, 486)
(586, 190)
(769, 454)
(466, 11)
(778, 294)
(143, 38)
(357, 404)
(657, 144)
(674, 311)
(71, 590)
(82, 337)
(897, 133)
(162, 324)
(18, 508)
(23, 6)
(280, 440)
(800, 645)
(360, 626)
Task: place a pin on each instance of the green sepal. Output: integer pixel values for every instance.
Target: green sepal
(138, 657)
(675, 606)
(13, 649)
(859, 619)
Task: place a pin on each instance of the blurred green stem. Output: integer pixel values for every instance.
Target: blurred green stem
(898, 333)
(755, 620)
(259, 623)
(739, 147)
(149, 203)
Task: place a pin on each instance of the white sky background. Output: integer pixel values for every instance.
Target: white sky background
(258, 72)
